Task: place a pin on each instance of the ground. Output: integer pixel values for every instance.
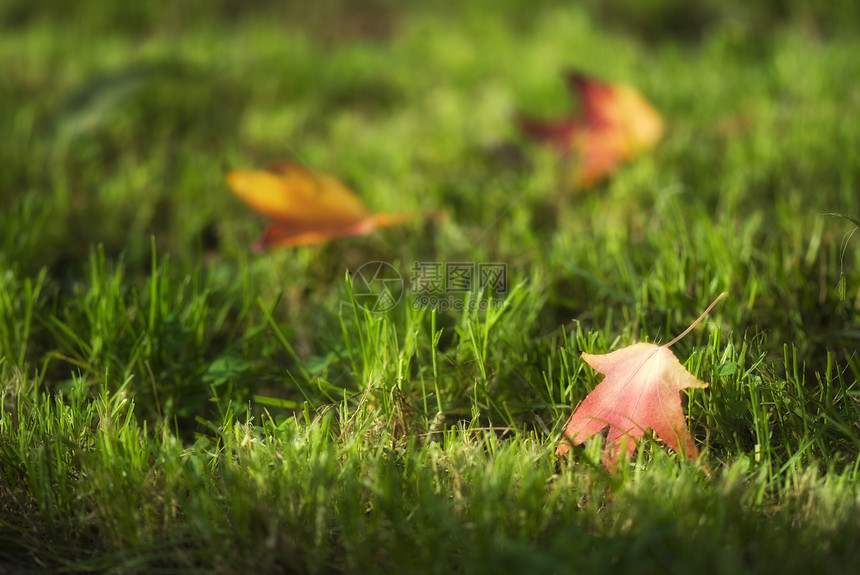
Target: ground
(173, 401)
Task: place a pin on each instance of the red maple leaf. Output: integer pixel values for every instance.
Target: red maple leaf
(641, 390)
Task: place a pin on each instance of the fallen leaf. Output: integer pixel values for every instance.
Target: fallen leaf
(641, 390)
(615, 124)
(304, 207)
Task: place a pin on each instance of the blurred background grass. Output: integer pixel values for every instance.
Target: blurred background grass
(120, 120)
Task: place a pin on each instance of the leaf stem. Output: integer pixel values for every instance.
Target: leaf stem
(725, 294)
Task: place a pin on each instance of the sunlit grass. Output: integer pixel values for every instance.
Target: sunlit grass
(171, 401)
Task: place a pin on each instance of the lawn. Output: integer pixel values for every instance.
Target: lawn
(172, 401)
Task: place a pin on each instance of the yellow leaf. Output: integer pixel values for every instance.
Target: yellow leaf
(304, 207)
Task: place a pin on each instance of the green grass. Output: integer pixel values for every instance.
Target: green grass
(172, 402)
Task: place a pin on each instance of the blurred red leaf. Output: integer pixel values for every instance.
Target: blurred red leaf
(615, 124)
